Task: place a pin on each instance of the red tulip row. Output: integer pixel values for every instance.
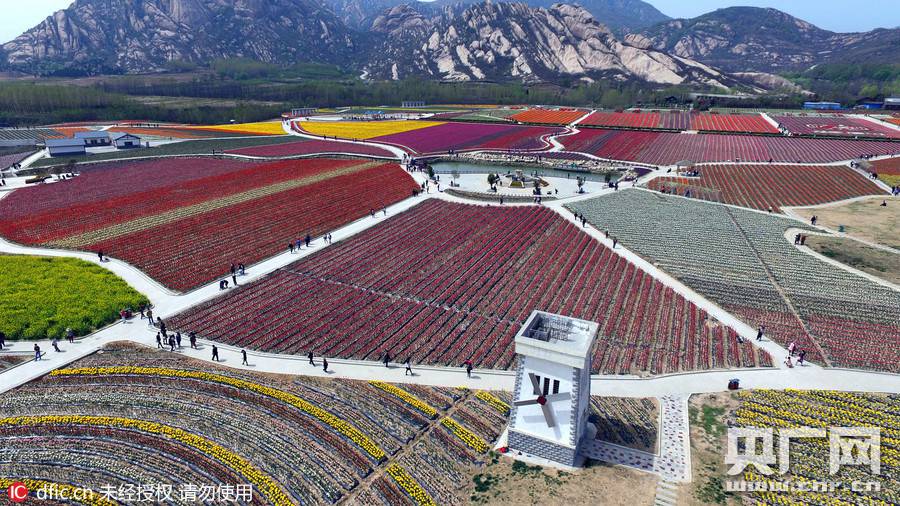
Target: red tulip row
(312, 146)
(764, 186)
(841, 126)
(753, 123)
(664, 148)
(96, 213)
(194, 250)
(461, 293)
(549, 117)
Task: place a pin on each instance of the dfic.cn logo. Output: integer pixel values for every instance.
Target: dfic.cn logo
(17, 492)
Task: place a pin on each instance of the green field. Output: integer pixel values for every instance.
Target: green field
(195, 147)
(41, 296)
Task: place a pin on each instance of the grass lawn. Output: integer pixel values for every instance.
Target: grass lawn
(197, 147)
(883, 264)
(41, 296)
(864, 219)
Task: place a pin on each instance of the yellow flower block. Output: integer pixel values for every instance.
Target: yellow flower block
(258, 128)
(406, 397)
(363, 129)
(340, 425)
(410, 485)
(494, 402)
(468, 437)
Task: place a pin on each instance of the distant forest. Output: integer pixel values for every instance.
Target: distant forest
(245, 90)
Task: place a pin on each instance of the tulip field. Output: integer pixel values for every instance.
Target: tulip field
(469, 136)
(741, 260)
(841, 126)
(462, 291)
(770, 186)
(888, 170)
(549, 116)
(134, 416)
(809, 457)
(184, 221)
(666, 148)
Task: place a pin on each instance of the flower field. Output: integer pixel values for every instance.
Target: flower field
(841, 126)
(624, 119)
(363, 129)
(714, 122)
(309, 146)
(888, 170)
(462, 291)
(250, 211)
(7, 158)
(258, 128)
(764, 186)
(134, 416)
(664, 148)
(548, 116)
(809, 457)
(742, 261)
(630, 422)
(40, 297)
(469, 136)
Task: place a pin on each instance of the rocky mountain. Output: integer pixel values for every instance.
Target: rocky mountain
(621, 16)
(97, 36)
(740, 39)
(515, 41)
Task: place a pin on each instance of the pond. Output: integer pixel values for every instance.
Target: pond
(477, 168)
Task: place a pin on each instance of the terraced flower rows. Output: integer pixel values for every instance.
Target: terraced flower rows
(841, 126)
(682, 120)
(888, 170)
(461, 291)
(664, 148)
(764, 186)
(470, 136)
(184, 221)
(809, 457)
(742, 261)
(133, 416)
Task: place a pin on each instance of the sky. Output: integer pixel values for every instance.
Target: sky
(835, 15)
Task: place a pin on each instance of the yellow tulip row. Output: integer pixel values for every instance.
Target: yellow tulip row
(468, 437)
(266, 485)
(410, 485)
(495, 402)
(84, 496)
(406, 397)
(340, 425)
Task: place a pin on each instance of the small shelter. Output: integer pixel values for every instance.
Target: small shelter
(63, 147)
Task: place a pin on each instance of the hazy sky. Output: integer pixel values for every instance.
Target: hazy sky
(837, 15)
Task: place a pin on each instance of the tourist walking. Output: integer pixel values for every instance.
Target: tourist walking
(615, 241)
(324, 364)
(162, 325)
(192, 337)
(37, 352)
(408, 369)
(759, 333)
(307, 239)
(141, 309)
(215, 353)
(310, 357)
(178, 339)
(100, 255)
(291, 248)
(298, 243)
(244, 357)
(150, 316)
(159, 341)
(3, 340)
(468, 364)
(55, 344)
(234, 278)
(70, 335)
(801, 357)
(241, 269)
(387, 359)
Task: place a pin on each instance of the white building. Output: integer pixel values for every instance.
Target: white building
(63, 147)
(125, 141)
(93, 138)
(549, 418)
